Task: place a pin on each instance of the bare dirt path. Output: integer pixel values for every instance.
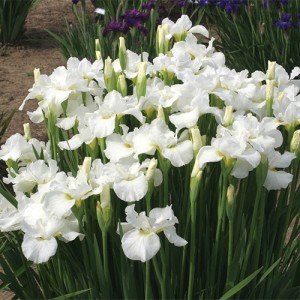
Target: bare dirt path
(36, 50)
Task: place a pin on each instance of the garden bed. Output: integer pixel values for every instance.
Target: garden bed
(111, 139)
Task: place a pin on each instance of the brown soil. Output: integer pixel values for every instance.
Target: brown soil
(36, 50)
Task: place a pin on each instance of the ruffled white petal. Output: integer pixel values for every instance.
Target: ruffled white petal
(138, 245)
(59, 203)
(179, 155)
(295, 72)
(38, 250)
(241, 169)
(72, 144)
(276, 180)
(9, 216)
(185, 119)
(161, 214)
(66, 123)
(116, 148)
(132, 189)
(102, 126)
(199, 29)
(208, 154)
(173, 237)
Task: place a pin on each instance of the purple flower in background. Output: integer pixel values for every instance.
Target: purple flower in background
(231, 6)
(149, 5)
(285, 22)
(132, 18)
(208, 2)
(152, 4)
(116, 27)
(142, 28)
(180, 3)
(284, 2)
(75, 1)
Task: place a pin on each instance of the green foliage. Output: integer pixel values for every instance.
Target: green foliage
(13, 14)
(17, 274)
(5, 120)
(249, 37)
(79, 38)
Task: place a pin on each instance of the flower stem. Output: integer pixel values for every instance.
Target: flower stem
(230, 247)
(160, 279)
(105, 256)
(194, 191)
(147, 287)
(253, 228)
(192, 250)
(221, 209)
(102, 147)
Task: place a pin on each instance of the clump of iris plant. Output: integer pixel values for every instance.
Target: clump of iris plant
(254, 31)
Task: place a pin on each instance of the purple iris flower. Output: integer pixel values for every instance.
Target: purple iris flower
(231, 6)
(152, 4)
(75, 1)
(149, 5)
(132, 18)
(285, 22)
(180, 3)
(208, 2)
(142, 28)
(284, 2)
(116, 26)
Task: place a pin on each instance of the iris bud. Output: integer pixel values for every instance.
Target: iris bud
(122, 53)
(122, 85)
(141, 81)
(295, 143)
(97, 49)
(104, 210)
(110, 76)
(27, 132)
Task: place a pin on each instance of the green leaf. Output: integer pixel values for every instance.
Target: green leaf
(7, 195)
(5, 121)
(13, 15)
(67, 296)
(240, 285)
(268, 271)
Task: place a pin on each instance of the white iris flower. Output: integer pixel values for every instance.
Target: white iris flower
(140, 240)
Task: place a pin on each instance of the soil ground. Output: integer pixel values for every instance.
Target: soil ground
(36, 50)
